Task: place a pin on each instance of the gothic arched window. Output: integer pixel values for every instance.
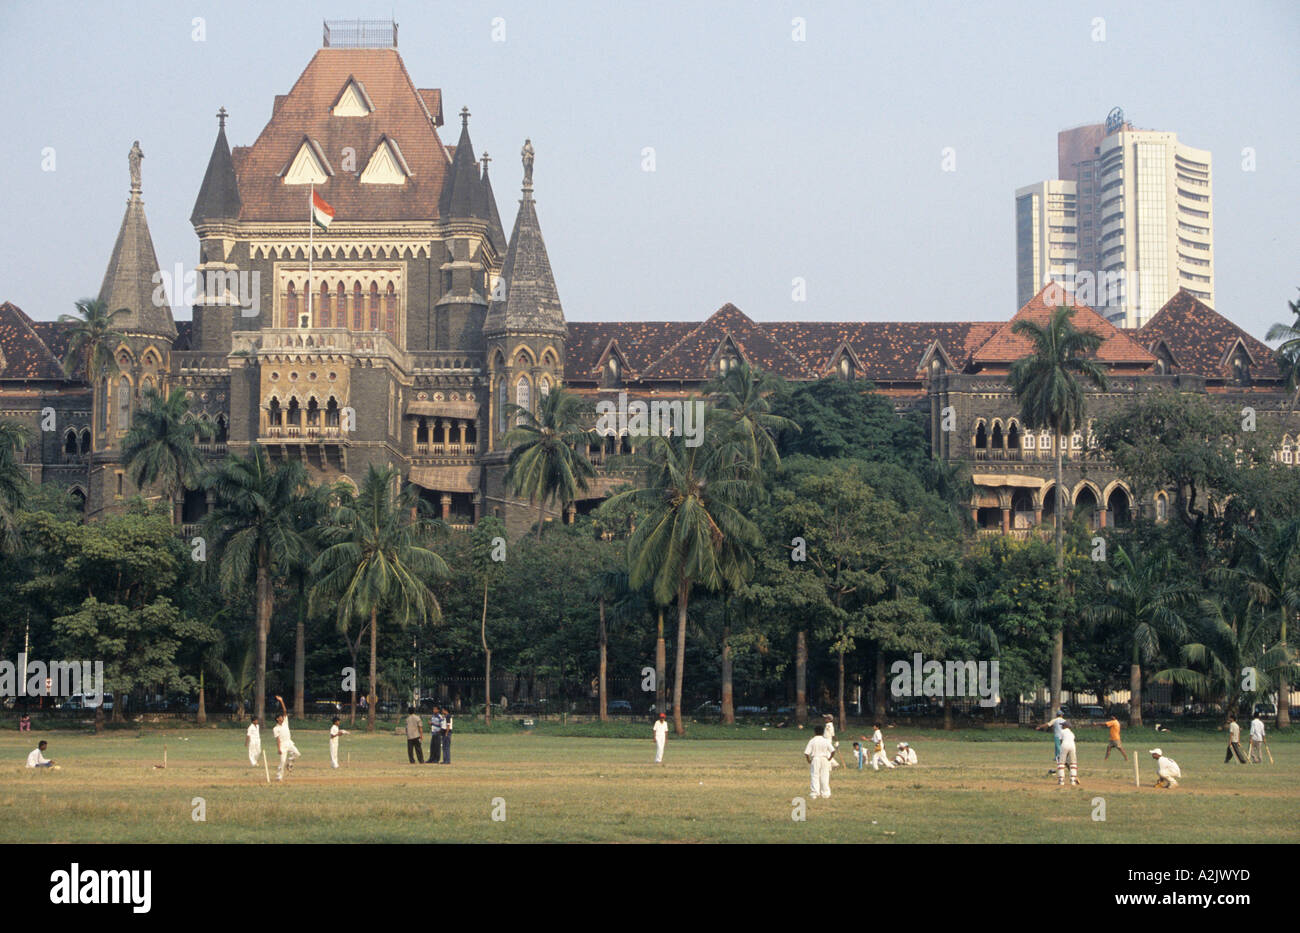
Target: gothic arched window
(374, 306)
(390, 313)
(356, 306)
(522, 393)
(123, 403)
(503, 398)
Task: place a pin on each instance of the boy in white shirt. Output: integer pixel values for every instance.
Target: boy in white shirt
(1256, 740)
(1167, 770)
(661, 736)
(335, 732)
(818, 753)
(37, 758)
(906, 754)
(284, 741)
(253, 741)
(1068, 757)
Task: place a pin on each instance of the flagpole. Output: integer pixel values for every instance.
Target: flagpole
(311, 230)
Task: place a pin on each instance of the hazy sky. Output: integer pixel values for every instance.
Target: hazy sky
(774, 158)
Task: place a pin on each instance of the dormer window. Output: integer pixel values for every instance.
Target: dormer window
(846, 368)
(1240, 370)
(353, 101)
(386, 165)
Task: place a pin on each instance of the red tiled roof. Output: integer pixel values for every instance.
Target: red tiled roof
(689, 358)
(1005, 346)
(891, 351)
(1201, 340)
(640, 343)
(26, 355)
(401, 112)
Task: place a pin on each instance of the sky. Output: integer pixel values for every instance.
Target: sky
(791, 140)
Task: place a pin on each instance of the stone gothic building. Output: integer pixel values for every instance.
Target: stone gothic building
(397, 335)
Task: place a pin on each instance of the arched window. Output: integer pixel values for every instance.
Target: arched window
(522, 392)
(356, 306)
(323, 316)
(70, 443)
(374, 306)
(103, 404)
(422, 432)
(341, 306)
(85, 441)
(332, 413)
(503, 398)
(390, 313)
(1162, 508)
(295, 414)
(544, 387)
(981, 437)
(846, 368)
(123, 403)
(221, 429)
(291, 307)
(313, 414)
(274, 416)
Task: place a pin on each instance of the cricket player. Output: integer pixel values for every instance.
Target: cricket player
(1167, 771)
(818, 752)
(878, 756)
(860, 754)
(661, 736)
(284, 741)
(335, 732)
(253, 741)
(1056, 724)
(1113, 742)
(828, 730)
(37, 758)
(906, 754)
(1068, 757)
(1256, 740)
(1234, 742)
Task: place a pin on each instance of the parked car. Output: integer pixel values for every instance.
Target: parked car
(619, 706)
(86, 701)
(1265, 710)
(750, 710)
(711, 708)
(1091, 712)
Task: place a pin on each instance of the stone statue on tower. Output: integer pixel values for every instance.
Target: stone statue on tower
(527, 154)
(133, 159)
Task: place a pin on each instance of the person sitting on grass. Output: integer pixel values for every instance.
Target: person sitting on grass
(37, 758)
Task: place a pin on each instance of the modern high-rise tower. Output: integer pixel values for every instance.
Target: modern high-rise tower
(1143, 221)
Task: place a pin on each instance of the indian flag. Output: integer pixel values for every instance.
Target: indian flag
(321, 213)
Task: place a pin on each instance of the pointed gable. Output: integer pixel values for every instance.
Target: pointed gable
(353, 100)
(690, 357)
(308, 166)
(219, 194)
(1202, 342)
(132, 277)
(386, 165)
(461, 197)
(532, 302)
(1006, 346)
(24, 355)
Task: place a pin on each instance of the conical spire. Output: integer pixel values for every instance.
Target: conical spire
(132, 275)
(532, 303)
(219, 195)
(461, 197)
(488, 208)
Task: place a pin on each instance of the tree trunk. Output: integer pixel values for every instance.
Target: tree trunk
(947, 714)
(661, 666)
(202, 717)
(880, 707)
(300, 658)
(540, 505)
(352, 650)
(374, 652)
(1058, 641)
(840, 662)
(487, 666)
(728, 691)
(604, 646)
(1135, 692)
(1283, 686)
(263, 626)
(801, 677)
(682, 595)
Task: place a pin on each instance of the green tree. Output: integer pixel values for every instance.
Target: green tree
(253, 525)
(1287, 355)
(379, 562)
(92, 340)
(1144, 597)
(694, 498)
(14, 439)
(161, 446)
(488, 541)
(548, 451)
(1048, 382)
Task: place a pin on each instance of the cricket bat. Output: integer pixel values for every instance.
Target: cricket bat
(1270, 754)
(266, 767)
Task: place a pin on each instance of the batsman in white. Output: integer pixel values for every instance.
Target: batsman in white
(283, 740)
(335, 732)
(661, 736)
(1069, 756)
(878, 756)
(253, 741)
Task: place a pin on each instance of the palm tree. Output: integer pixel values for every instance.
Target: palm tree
(92, 339)
(486, 566)
(548, 456)
(1047, 382)
(1146, 598)
(693, 497)
(1213, 665)
(161, 445)
(311, 513)
(379, 562)
(253, 526)
(14, 438)
(1287, 355)
(1268, 573)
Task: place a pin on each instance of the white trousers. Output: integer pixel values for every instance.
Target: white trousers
(659, 748)
(878, 759)
(254, 753)
(819, 777)
(287, 753)
(334, 752)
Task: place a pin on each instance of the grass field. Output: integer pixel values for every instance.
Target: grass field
(580, 789)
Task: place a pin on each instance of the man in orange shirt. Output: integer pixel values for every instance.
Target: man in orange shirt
(1113, 725)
